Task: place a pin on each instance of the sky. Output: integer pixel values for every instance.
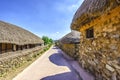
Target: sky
(50, 18)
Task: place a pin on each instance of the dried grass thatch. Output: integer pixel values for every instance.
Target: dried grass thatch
(91, 9)
(72, 37)
(13, 34)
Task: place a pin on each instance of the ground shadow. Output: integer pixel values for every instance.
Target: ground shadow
(57, 59)
(63, 76)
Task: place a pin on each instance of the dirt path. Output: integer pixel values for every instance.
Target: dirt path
(52, 65)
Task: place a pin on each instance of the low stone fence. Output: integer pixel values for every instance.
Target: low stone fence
(71, 49)
(12, 60)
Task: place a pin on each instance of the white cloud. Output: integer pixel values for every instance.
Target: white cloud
(67, 9)
(57, 32)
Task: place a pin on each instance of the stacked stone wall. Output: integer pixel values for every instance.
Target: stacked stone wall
(100, 55)
(71, 49)
(13, 60)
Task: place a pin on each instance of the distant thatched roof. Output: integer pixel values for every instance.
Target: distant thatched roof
(72, 37)
(13, 34)
(91, 9)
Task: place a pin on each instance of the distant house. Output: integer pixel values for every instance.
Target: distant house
(13, 38)
(70, 43)
(99, 24)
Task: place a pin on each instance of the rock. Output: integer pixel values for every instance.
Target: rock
(104, 34)
(89, 48)
(118, 59)
(116, 66)
(117, 36)
(113, 47)
(96, 61)
(110, 68)
(94, 43)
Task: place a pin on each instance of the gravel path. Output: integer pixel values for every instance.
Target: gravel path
(52, 65)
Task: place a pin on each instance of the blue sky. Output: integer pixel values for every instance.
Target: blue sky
(42, 17)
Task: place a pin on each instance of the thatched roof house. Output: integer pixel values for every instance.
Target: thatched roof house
(99, 24)
(91, 9)
(13, 34)
(71, 38)
(70, 43)
(14, 38)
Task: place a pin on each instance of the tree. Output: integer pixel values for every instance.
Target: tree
(50, 40)
(47, 40)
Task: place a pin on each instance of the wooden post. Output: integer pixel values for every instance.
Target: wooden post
(6, 48)
(29, 45)
(21, 47)
(14, 47)
(0, 48)
(26, 46)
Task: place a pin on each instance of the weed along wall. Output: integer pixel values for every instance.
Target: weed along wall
(100, 38)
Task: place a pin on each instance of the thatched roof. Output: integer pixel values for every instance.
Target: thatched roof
(91, 9)
(13, 34)
(72, 37)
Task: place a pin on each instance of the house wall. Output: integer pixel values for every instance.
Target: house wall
(7, 47)
(3, 47)
(101, 55)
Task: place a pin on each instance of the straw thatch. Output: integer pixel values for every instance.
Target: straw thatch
(91, 9)
(72, 37)
(13, 34)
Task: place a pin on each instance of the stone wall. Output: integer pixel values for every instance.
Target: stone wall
(101, 55)
(12, 60)
(71, 49)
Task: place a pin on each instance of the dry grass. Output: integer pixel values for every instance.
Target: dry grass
(10, 33)
(72, 37)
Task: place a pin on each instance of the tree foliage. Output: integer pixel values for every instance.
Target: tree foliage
(47, 40)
